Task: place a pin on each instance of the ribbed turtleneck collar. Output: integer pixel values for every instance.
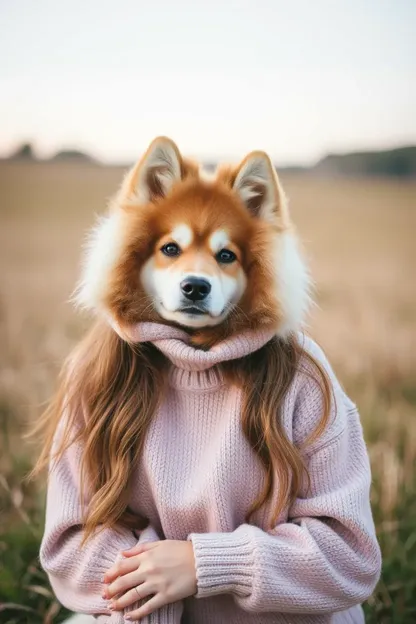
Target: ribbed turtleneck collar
(174, 343)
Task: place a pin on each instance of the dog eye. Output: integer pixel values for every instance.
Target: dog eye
(225, 256)
(171, 250)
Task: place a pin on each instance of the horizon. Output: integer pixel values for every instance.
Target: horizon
(65, 152)
(298, 81)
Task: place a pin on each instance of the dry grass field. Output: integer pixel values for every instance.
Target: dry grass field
(359, 236)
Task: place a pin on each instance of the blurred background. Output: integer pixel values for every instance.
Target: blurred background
(328, 89)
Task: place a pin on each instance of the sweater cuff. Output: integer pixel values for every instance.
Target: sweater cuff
(224, 563)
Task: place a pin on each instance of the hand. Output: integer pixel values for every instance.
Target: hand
(164, 570)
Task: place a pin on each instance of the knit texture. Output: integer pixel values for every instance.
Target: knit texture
(196, 481)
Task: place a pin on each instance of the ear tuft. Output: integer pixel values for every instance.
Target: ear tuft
(155, 174)
(257, 185)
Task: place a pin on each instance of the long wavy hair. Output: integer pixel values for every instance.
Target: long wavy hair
(110, 390)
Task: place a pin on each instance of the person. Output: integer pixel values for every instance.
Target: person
(206, 466)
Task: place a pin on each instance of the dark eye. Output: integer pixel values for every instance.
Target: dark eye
(225, 256)
(171, 250)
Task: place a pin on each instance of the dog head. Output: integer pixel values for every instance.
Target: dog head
(200, 252)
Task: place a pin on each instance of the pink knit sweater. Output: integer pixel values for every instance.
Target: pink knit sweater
(196, 481)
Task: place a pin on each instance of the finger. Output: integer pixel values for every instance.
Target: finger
(151, 605)
(132, 596)
(124, 566)
(124, 583)
(141, 547)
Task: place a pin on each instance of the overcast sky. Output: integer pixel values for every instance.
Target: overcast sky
(296, 78)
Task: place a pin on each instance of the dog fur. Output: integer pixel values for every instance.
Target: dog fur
(166, 197)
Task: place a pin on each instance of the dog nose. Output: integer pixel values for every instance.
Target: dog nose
(195, 288)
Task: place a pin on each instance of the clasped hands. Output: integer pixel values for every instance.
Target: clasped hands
(164, 572)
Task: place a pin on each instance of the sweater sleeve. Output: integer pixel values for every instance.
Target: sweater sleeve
(75, 572)
(325, 557)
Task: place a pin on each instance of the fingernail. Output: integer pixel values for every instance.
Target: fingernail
(127, 617)
(111, 606)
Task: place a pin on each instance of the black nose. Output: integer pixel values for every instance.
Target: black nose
(195, 288)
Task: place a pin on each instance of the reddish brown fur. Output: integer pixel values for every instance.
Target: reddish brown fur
(205, 208)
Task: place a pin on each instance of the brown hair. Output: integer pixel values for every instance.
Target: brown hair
(110, 390)
(266, 376)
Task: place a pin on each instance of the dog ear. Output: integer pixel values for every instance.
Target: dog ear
(257, 184)
(154, 175)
